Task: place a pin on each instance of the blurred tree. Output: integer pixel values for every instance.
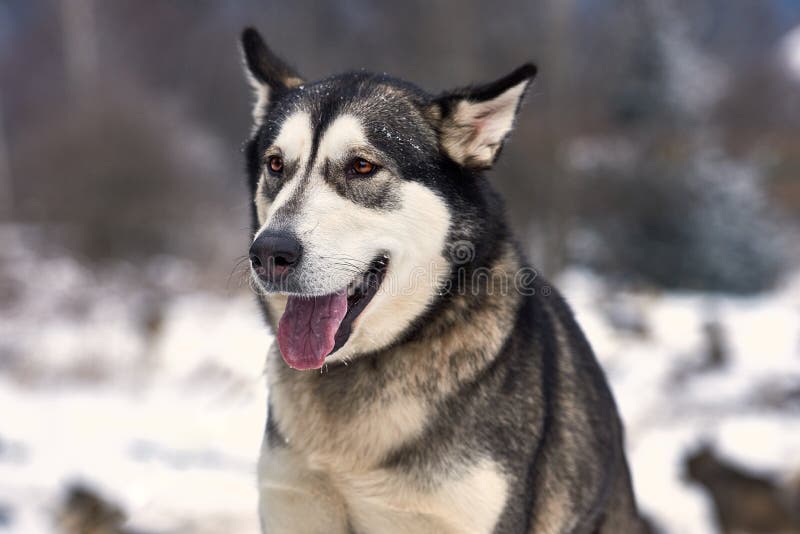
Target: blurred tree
(680, 212)
(80, 46)
(6, 191)
(632, 98)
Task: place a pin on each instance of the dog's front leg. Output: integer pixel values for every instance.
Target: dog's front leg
(296, 500)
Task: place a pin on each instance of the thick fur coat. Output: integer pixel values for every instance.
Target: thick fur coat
(463, 396)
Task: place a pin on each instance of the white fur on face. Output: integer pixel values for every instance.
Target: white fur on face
(476, 130)
(414, 237)
(294, 140)
(341, 238)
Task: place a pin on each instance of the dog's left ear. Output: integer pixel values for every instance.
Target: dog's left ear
(474, 122)
(268, 74)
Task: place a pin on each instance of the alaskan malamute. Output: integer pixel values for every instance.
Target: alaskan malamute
(424, 380)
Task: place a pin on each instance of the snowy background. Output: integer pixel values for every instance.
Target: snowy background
(152, 394)
(654, 177)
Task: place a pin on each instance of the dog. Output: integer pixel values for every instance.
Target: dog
(424, 380)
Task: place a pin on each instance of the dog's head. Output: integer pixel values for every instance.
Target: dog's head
(359, 181)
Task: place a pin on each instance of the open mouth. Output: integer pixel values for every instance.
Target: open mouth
(312, 327)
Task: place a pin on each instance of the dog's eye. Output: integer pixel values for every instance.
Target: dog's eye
(275, 164)
(362, 167)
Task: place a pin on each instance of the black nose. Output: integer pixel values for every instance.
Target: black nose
(273, 253)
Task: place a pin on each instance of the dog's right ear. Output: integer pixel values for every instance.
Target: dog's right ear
(267, 73)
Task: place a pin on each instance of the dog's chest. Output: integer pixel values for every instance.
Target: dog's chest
(329, 462)
(467, 499)
(353, 425)
(389, 501)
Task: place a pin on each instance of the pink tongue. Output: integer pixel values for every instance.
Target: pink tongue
(307, 329)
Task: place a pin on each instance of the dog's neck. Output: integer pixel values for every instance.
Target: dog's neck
(361, 410)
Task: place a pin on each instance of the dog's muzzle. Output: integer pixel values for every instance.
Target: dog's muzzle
(273, 254)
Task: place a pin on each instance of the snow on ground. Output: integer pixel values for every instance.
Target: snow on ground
(153, 397)
(672, 401)
(151, 391)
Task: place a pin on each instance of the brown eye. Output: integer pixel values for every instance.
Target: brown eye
(275, 164)
(363, 167)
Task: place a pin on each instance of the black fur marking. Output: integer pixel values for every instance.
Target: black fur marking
(488, 91)
(548, 383)
(264, 65)
(374, 192)
(273, 434)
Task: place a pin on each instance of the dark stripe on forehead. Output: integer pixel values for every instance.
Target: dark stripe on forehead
(324, 111)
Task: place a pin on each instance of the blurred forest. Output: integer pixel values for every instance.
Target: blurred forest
(660, 144)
